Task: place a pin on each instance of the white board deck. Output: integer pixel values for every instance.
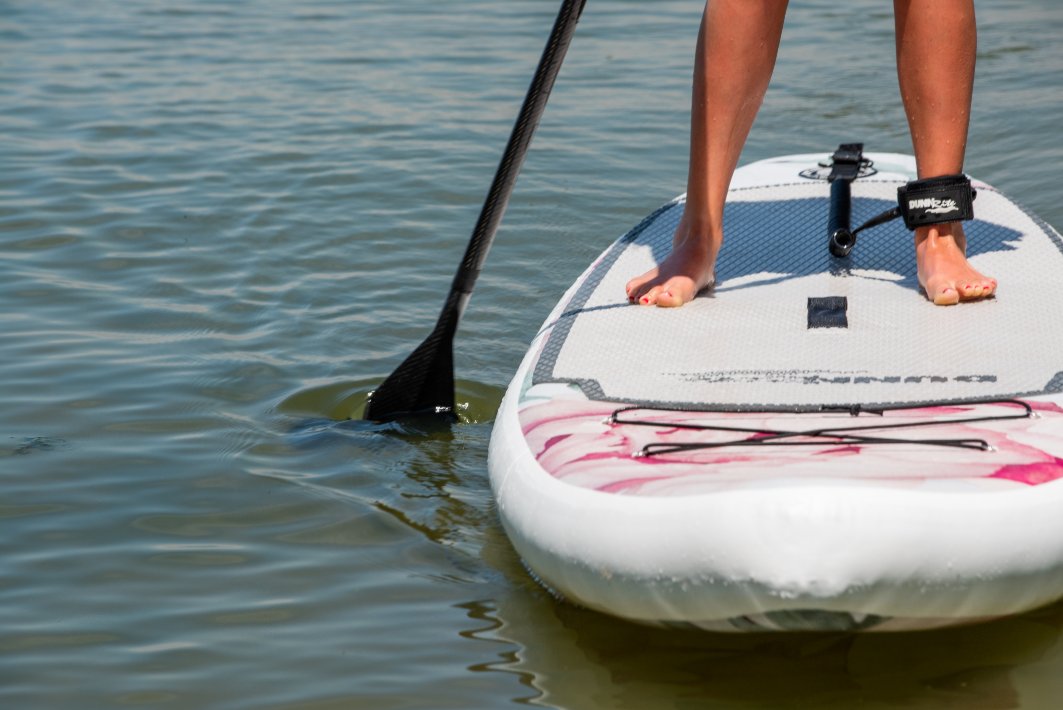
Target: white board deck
(747, 344)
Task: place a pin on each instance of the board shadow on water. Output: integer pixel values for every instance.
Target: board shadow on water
(623, 665)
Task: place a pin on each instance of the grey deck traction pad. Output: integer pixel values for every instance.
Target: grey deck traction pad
(747, 345)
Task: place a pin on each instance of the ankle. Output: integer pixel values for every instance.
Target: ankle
(695, 230)
(939, 234)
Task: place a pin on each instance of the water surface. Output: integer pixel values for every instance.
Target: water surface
(222, 224)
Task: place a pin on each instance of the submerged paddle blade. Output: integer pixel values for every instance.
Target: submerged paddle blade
(422, 384)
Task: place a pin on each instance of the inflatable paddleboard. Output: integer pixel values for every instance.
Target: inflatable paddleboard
(810, 445)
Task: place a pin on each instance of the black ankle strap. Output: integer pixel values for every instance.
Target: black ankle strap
(936, 200)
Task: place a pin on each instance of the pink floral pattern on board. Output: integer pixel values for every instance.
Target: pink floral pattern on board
(574, 441)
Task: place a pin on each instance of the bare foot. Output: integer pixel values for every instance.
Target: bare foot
(944, 273)
(689, 269)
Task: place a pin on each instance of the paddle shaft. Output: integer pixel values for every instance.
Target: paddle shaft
(531, 111)
(424, 382)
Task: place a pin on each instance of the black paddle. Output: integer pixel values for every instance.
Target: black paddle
(424, 382)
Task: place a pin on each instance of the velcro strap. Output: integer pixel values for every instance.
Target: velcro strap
(846, 162)
(937, 200)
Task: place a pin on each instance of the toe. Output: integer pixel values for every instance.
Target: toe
(675, 293)
(636, 293)
(639, 286)
(667, 299)
(977, 289)
(649, 298)
(947, 296)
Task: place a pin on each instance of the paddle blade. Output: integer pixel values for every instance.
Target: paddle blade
(422, 384)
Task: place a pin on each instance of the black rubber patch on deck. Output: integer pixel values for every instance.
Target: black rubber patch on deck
(827, 312)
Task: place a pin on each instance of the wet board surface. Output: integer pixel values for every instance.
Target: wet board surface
(846, 417)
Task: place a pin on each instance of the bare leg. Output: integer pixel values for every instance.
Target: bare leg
(737, 46)
(936, 41)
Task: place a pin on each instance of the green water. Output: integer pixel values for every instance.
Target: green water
(222, 224)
